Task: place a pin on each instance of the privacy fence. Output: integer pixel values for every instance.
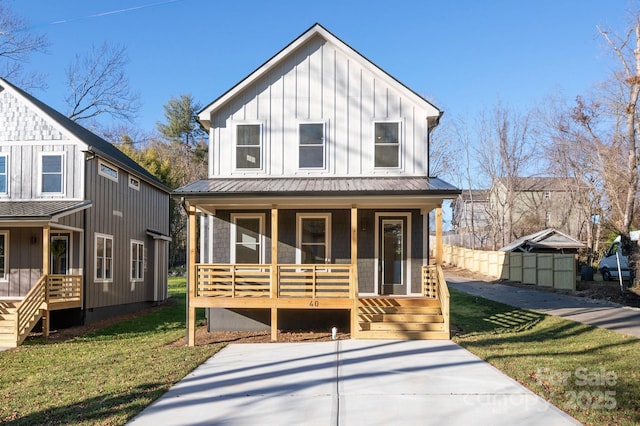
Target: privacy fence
(543, 269)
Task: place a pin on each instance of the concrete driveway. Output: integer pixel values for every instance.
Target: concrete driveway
(622, 319)
(349, 382)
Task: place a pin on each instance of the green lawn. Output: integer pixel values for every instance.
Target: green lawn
(107, 377)
(103, 378)
(591, 373)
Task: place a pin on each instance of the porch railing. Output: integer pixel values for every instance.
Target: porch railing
(64, 291)
(430, 279)
(313, 280)
(30, 309)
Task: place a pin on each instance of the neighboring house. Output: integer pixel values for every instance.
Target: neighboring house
(526, 205)
(318, 198)
(545, 241)
(471, 219)
(83, 228)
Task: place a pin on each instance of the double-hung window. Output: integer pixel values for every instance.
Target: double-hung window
(4, 255)
(137, 260)
(387, 144)
(103, 257)
(51, 169)
(248, 146)
(312, 145)
(314, 238)
(247, 234)
(4, 187)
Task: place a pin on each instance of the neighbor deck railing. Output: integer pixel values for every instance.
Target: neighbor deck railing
(307, 280)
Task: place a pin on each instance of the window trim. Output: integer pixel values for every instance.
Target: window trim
(140, 260)
(101, 164)
(136, 185)
(95, 258)
(5, 277)
(324, 145)
(234, 230)
(260, 146)
(319, 215)
(399, 144)
(62, 156)
(6, 174)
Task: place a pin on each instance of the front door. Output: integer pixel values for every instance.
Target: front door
(59, 249)
(392, 253)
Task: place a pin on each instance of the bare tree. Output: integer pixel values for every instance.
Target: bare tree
(17, 43)
(98, 85)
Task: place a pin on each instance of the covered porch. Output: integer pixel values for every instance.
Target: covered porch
(370, 256)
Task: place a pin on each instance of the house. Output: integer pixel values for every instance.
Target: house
(545, 241)
(83, 228)
(318, 198)
(471, 218)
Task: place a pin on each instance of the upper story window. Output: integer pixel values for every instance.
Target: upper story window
(51, 173)
(108, 171)
(387, 144)
(312, 145)
(547, 195)
(134, 183)
(248, 146)
(4, 187)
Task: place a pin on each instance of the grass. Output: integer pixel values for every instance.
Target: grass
(590, 373)
(102, 378)
(108, 376)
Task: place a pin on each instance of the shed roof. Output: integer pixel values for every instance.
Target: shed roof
(545, 239)
(40, 210)
(318, 186)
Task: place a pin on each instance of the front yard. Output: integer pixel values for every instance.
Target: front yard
(108, 375)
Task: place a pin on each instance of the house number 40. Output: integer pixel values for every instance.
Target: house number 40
(314, 304)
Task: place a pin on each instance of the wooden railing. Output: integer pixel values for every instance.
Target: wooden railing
(29, 310)
(64, 291)
(443, 295)
(429, 285)
(315, 281)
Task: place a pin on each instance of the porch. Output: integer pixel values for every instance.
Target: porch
(51, 292)
(314, 286)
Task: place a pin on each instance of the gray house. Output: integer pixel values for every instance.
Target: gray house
(318, 199)
(83, 228)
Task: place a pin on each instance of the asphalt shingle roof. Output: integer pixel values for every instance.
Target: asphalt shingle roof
(34, 210)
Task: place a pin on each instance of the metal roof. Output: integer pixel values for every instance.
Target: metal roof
(39, 210)
(318, 186)
(546, 239)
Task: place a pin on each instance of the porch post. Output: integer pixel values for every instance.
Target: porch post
(46, 322)
(439, 234)
(353, 285)
(191, 276)
(274, 273)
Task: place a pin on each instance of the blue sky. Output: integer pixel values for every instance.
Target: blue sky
(462, 55)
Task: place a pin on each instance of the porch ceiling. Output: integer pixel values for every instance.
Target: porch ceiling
(380, 192)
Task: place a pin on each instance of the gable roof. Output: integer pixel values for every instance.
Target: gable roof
(39, 210)
(315, 30)
(561, 184)
(545, 239)
(96, 144)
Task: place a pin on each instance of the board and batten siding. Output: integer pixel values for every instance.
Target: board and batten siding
(125, 214)
(321, 83)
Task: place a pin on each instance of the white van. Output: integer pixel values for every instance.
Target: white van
(608, 266)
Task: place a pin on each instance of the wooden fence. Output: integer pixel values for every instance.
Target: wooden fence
(543, 269)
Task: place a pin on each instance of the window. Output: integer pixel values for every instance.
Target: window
(3, 175)
(134, 183)
(311, 150)
(387, 144)
(4, 255)
(137, 260)
(104, 257)
(314, 238)
(51, 167)
(107, 171)
(547, 195)
(247, 233)
(248, 146)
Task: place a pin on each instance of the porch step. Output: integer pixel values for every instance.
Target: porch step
(401, 318)
(8, 324)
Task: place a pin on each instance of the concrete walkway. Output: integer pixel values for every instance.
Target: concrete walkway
(622, 319)
(349, 382)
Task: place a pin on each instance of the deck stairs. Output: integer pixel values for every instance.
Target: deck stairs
(406, 318)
